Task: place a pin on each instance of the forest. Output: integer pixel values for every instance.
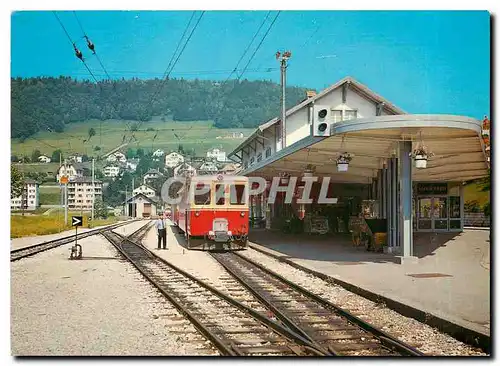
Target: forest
(48, 103)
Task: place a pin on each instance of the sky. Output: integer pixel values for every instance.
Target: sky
(423, 62)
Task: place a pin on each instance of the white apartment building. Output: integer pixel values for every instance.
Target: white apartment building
(81, 193)
(111, 171)
(145, 190)
(30, 197)
(217, 154)
(173, 159)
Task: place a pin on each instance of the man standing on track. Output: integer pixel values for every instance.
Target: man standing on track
(162, 231)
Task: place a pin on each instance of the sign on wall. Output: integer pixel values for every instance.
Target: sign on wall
(432, 188)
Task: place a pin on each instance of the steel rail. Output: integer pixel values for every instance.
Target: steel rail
(383, 337)
(274, 326)
(28, 251)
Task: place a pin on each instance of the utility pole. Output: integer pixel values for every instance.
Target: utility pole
(283, 58)
(93, 191)
(65, 196)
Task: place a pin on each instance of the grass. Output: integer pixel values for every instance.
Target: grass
(21, 226)
(109, 134)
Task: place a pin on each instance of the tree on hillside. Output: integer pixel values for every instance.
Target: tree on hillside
(139, 153)
(14, 159)
(130, 153)
(180, 149)
(57, 155)
(35, 155)
(56, 102)
(16, 182)
(91, 133)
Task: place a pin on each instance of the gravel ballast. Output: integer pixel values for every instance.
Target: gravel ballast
(423, 337)
(99, 305)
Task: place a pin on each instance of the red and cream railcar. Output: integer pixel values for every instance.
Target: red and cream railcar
(214, 212)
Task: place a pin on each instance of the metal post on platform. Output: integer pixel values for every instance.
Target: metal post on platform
(405, 197)
(388, 202)
(394, 203)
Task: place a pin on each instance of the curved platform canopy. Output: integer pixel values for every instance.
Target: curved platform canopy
(455, 141)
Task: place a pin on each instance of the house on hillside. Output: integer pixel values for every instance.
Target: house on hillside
(173, 159)
(158, 153)
(151, 174)
(120, 157)
(217, 154)
(44, 159)
(131, 164)
(77, 158)
(184, 169)
(230, 169)
(208, 168)
(145, 190)
(116, 156)
(72, 171)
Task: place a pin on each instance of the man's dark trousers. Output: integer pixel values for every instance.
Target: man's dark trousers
(162, 235)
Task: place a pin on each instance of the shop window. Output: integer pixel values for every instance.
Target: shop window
(220, 200)
(455, 224)
(237, 194)
(259, 157)
(252, 160)
(268, 152)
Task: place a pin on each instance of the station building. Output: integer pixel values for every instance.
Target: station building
(369, 149)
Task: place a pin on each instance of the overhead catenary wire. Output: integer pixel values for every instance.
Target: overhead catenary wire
(173, 65)
(248, 47)
(93, 50)
(249, 61)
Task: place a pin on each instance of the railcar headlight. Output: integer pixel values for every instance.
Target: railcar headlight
(242, 213)
(229, 233)
(197, 213)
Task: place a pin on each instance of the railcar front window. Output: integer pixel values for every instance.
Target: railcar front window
(202, 194)
(238, 194)
(220, 200)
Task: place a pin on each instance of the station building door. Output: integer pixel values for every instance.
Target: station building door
(438, 212)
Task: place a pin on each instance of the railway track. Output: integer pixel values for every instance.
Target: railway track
(316, 319)
(235, 325)
(28, 251)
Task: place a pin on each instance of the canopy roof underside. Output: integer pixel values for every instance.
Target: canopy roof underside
(455, 142)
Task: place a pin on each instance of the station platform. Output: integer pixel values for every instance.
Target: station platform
(449, 278)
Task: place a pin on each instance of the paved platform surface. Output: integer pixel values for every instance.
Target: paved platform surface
(462, 297)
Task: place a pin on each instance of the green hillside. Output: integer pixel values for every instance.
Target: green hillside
(109, 134)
